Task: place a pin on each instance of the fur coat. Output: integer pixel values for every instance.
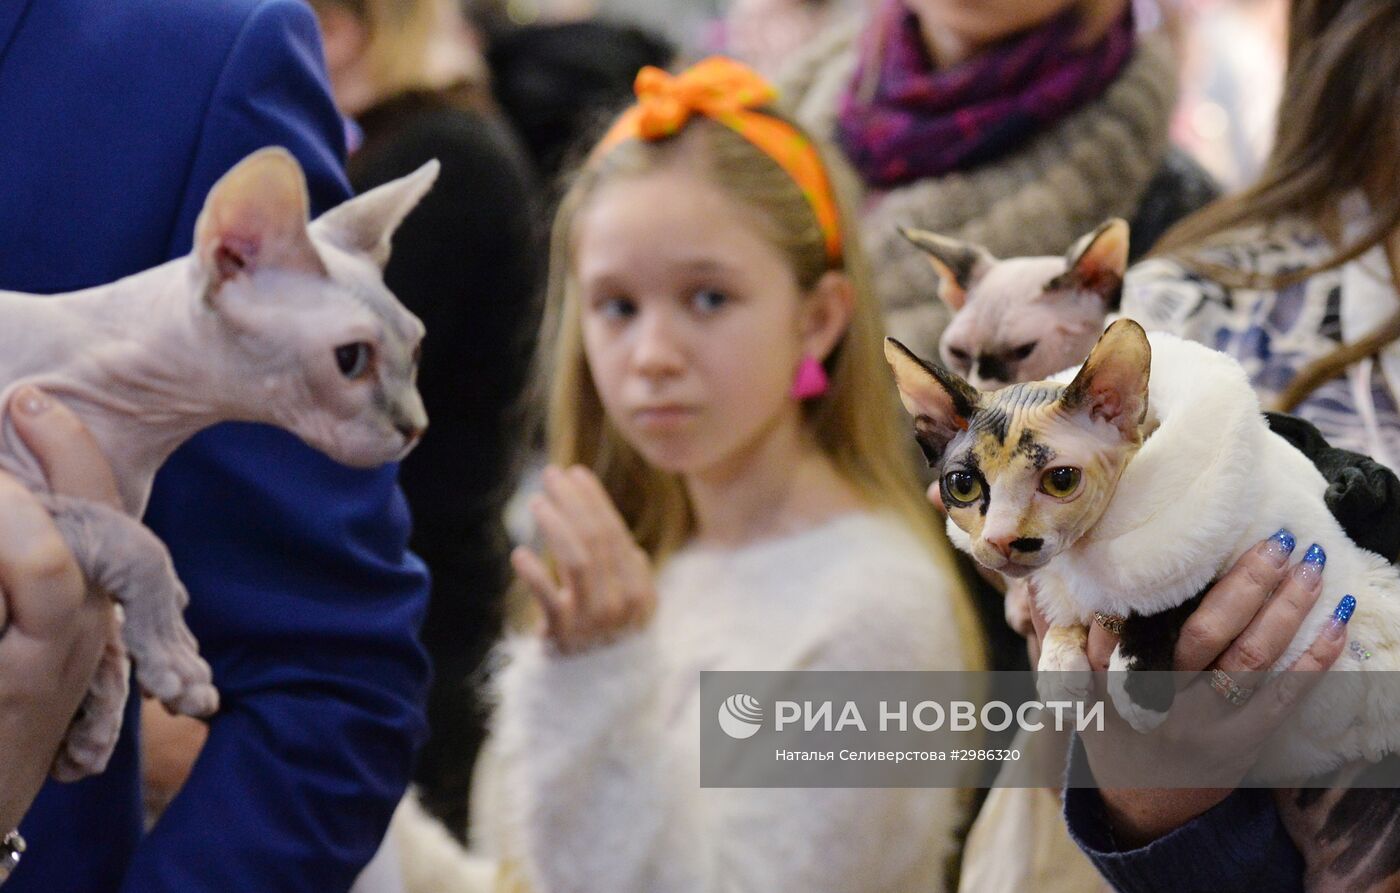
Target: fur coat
(1211, 481)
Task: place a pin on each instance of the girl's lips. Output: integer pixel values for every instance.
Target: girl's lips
(662, 416)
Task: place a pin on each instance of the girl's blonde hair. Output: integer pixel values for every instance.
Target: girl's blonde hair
(856, 424)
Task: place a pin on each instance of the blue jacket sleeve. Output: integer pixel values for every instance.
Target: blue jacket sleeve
(303, 596)
(1238, 845)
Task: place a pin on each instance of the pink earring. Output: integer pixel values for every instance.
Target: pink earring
(810, 381)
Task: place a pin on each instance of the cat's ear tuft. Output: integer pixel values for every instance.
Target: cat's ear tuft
(1112, 384)
(959, 264)
(939, 400)
(255, 218)
(366, 224)
(1097, 262)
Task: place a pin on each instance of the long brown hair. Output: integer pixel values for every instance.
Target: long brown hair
(1338, 131)
(856, 425)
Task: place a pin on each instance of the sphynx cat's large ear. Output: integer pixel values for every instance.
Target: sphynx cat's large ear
(940, 402)
(366, 223)
(255, 218)
(1112, 384)
(958, 264)
(1097, 263)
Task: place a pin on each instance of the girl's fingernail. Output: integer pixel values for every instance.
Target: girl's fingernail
(1310, 570)
(1345, 608)
(1278, 547)
(33, 401)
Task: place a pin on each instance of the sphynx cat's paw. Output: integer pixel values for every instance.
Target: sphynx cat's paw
(88, 747)
(171, 671)
(95, 730)
(1063, 673)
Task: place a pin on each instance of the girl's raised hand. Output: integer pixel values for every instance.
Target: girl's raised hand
(603, 586)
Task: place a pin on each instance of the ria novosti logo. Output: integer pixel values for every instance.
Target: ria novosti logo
(740, 716)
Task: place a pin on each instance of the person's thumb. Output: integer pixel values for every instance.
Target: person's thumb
(67, 451)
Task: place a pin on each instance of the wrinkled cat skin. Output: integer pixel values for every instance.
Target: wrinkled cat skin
(269, 320)
(1176, 490)
(1024, 318)
(1006, 439)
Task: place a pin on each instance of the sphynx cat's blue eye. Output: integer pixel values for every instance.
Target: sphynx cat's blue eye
(353, 359)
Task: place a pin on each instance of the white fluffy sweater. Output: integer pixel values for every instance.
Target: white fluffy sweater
(597, 754)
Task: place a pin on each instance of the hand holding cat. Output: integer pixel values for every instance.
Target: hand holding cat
(1244, 623)
(54, 628)
(603, 588)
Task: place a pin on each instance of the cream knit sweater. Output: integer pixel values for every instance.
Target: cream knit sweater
(596, 755)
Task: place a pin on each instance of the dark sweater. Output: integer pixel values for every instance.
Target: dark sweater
(1238, 845)
(467, 261)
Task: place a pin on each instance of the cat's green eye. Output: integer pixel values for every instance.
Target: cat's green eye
(1061, 482)
(962, 487)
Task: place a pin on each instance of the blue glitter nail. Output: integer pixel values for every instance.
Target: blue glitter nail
(1315, 555)
(1345, 608)
(1286, 539)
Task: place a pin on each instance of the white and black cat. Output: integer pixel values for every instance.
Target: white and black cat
(1118, 499)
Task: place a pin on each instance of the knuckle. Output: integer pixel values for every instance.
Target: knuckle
(47, 561)
(1295, 598)
(1258, 575)
(1249, 654)
(1196, 636)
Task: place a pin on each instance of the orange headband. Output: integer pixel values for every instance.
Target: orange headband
(730, 93)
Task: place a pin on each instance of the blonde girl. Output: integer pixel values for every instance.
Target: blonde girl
(730, 490)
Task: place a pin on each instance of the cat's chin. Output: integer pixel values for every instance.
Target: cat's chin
(1014, 570)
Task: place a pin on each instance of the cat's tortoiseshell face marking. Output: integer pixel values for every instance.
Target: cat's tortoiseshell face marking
(1025, 471)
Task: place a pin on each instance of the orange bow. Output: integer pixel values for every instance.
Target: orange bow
(730, 93)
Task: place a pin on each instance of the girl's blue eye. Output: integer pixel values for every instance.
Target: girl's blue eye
(708, 300)
(617, 308)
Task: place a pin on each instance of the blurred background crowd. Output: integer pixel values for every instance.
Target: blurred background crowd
(509, 94)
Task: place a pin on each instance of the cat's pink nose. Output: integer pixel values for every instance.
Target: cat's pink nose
(1001, 544)
(1005, 545)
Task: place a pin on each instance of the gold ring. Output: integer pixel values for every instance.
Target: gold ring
(1111, 622)
(1229, 689)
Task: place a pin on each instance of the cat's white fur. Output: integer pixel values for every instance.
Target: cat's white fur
(244, 328)
(1210, 482)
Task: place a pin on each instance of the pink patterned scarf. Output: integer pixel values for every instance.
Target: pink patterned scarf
(921, 122)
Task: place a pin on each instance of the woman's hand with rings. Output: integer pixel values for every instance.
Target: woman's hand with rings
(602, 585)
(1244, 624)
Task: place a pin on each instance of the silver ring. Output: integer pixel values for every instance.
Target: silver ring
(1229, 689)
(10, 850)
